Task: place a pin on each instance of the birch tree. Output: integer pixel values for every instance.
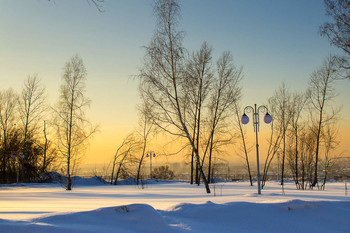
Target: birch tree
(226, 92)
(197, 84)
(279, 106)
(32, 106)
(330, 142)
(146, 128)
(321, 94)
(162, 76)
(242, 135)
(306, 152)
(298, 103)
(73, 128)
(282, 102)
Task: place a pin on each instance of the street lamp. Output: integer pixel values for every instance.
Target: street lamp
(150, 163)
(15, 156)
(267, 120)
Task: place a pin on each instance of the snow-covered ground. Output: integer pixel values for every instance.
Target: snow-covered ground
(173, 207)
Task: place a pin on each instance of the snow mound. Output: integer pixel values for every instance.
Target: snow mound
(298, 205)
(315, 211)
(52, 177)
(57, 178)
(127, 219)
(96, 180)
(127, 181)
(290, 216)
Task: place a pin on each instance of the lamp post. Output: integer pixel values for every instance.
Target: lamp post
(267, 119)
(15, 156)
(150, 163)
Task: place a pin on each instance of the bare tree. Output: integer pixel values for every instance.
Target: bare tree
(73, 128)
(274, 143)
(127, 148)
(8, 120)
(196, 88)
(338, 30)
(321, 94)
(226, 92)
(49, 153)
(96, 3)
(162, 76)
(306, 152)
(125, 152)
(31, 108)
(46, 145)
(283, 104)
(330, 143)
(279, 106)
(244, 149)
(298, 103)
(146, 128)
(117, 155)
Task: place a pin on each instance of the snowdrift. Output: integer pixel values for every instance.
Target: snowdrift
(173, 207)
(291, 216)
(130, 218)
(57, 178)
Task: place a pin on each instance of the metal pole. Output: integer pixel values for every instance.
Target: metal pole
(17, 168)
(150, 164)
(245, 120)
(256, 122)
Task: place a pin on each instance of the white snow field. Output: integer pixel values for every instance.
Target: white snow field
(173, 207)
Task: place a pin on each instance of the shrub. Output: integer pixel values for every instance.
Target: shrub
(163, 173)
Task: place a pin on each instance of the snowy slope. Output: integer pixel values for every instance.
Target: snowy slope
(174, 207)
(292, 216)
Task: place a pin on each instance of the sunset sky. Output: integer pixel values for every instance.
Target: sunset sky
(275, 41)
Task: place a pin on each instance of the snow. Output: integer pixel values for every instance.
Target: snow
(172, 207)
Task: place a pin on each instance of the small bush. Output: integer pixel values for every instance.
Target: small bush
(163, 173)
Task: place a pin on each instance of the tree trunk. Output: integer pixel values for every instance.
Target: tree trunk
(284, 147)
(69, 182)
(324, 180)
(210, 153)
(296, 157)
(198, 128)
(4, 161)
(45, 150)
(120, 166)
(205, 181)
(244, 146)
(315, 181)
(117, 175)
(193, 139)
(140, 164)
(69, 179)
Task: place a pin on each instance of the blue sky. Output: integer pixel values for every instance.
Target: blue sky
(275, 41)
